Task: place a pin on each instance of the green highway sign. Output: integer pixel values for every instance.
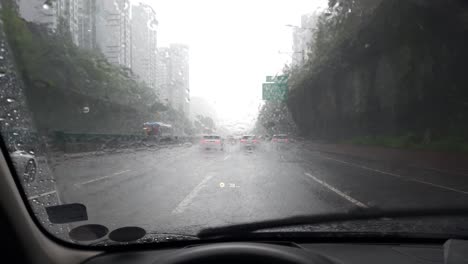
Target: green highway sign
(274, 91)
(277, 78)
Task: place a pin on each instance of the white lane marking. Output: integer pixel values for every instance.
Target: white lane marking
(40, 195)
(335, 190)
(121, 172)
(189, 198)
(227, 157)
(103, 178)
(397, 176)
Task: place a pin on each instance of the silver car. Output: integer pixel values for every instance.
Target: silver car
(212, 142)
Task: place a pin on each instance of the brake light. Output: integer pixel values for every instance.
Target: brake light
(202, 141)
(274, 140)
(217, 141)
(286, 140)
(242, 141)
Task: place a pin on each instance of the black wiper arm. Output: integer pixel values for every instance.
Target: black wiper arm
(352, 215)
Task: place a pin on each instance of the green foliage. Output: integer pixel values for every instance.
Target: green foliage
(384, 68)
(50, 58)
(410, 141)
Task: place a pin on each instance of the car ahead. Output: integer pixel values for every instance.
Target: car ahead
(27, 163)
(214, 142)
(249, 142)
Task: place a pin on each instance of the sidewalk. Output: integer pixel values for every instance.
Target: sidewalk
(440, 161)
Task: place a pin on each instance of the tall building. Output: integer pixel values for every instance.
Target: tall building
(302, 39)
(173, 77)
(179, 81)
(76, 17)
(68, 13)
(113, 29)
(87, 24)
(144, 43)
(162, 74)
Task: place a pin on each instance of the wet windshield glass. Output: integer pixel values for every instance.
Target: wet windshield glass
(154, 120)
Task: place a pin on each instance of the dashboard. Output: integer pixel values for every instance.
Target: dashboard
(288, 252)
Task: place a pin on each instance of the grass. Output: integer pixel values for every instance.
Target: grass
(409, 141)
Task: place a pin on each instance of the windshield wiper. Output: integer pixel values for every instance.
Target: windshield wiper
(352, 215)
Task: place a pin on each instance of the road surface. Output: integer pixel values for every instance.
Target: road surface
(181, 189)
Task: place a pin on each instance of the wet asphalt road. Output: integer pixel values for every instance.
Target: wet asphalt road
(181, 189)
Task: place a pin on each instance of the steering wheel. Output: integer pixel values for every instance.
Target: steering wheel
(243, 253)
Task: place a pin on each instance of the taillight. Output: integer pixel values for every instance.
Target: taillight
(202, 141)
(274, 140)
(286, 140)
(217, 141)
(242, 141)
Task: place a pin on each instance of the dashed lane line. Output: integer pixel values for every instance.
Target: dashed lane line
(227, 157)
(104, 177)
(189, 198)
(335, 190)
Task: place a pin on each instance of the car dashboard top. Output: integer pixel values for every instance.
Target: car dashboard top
(453, 251)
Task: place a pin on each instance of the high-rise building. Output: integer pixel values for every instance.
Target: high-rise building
(68, 13)
(173, 77)
(179, 81)
(74, 17)
(112, 20)
(87, 24)
(302, 39)
(162, 74)
(144, 43)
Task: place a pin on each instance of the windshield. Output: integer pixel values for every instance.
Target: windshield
(114, 114)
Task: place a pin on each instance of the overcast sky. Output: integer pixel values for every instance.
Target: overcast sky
(233, 46)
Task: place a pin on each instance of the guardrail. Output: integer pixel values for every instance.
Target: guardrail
(78, 142)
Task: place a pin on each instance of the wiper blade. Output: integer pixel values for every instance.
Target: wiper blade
(352, 215)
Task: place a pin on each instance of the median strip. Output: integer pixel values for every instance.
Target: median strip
(335, 190)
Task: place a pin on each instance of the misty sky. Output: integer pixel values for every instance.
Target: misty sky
(233, 46)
